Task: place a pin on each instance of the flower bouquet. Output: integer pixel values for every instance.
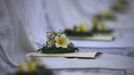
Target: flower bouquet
(99, 31)
(31, 67)
(79, 30)
(105, 15)
(58, 42)
(119, 6)
(100, 27)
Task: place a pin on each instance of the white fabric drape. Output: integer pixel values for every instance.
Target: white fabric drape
(65, 13)
(24, 23)
(19, 19)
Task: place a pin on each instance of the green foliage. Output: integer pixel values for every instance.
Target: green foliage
(69, 32)
(54, 49)
(106, 17)
(102, 31)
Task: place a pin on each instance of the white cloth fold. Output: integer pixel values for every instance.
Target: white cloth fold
(24, 23)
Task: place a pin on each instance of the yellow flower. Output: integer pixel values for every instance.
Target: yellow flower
(27, 66)
(102, 26)
(81, 28)
(105, 13)
(62, 41)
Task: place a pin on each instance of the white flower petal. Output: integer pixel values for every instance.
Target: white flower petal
(64, 46)
(63, 36)
(57, 45)
(68, 41)
(57, 38)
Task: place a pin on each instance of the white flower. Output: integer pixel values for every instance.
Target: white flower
(62, 41)
(81, 28)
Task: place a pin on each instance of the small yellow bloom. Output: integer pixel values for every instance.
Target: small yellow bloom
(105, 13)
(102, 26)
(81, 28)
(27, 66)
(62, 41)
